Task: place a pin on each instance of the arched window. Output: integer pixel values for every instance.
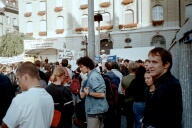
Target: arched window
(43, 26)
(158, 41)
(42, 6)
(60, 22)
(106, 19)
(29, 7)
(29, 27)
(188, 11)
(128, 17)
(157, 12)
(84, 20)
(59, 3)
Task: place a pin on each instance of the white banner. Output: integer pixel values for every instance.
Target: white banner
(14, 59)
(56, 43)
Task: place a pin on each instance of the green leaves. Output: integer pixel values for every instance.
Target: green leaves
(12, 44)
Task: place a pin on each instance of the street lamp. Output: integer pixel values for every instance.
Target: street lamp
(98, 17)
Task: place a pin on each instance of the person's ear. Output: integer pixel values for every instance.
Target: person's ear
(167, 65)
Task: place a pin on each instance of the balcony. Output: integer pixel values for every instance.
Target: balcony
(41, 13)
(110, 27)
(58, 9)
(42, 33)
(157, 22)
(83, 7)
(59, 31)
(105, 4)
(28, 14)
(126, 2)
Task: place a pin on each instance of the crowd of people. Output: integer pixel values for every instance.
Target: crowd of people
(145, 92)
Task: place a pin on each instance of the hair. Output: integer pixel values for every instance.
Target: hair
(139, 61)
(78, 70)
(57, 63)
(64, 63)
(140, 72)
(164, 54)
(147, 72)
(58, 71)
(109, 65)
(38, 63)
(133, 66)
(146, 60)
(115, 65)
(46, 60)
(126, 60)
(86, 61)
(28, 68)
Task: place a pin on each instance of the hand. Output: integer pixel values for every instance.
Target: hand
(86, 90)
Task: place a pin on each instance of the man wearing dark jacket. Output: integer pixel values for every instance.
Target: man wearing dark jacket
(166, 102)
(110, 121)
(6, 95)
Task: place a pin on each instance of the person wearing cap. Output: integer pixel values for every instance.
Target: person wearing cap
(103, 58)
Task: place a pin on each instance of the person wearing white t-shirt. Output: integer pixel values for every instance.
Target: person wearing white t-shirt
(103, 58)
(34, 107)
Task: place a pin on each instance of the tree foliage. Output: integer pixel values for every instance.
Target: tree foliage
(12, 44)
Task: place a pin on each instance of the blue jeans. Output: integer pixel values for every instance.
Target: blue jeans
(138, 108)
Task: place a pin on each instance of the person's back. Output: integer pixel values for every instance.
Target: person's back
(6, 95)
(34, 107)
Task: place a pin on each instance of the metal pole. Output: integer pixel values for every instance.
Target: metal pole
(98, 43)
(91, 31)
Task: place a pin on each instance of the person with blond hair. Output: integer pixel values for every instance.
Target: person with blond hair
(34, 107)
(62, 97)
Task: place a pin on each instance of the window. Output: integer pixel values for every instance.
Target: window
(29, 7)
(188, 11)
(84, 20)
(106, 19)
(29, 27)
(60, 22)
(7, 20)
(157, 13)
(84, 2)
(43, 26)
(42, 6)
(59, 3)
(128, 17)
(15, 22)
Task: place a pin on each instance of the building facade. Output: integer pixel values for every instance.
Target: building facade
(125, 24)
(9, 15)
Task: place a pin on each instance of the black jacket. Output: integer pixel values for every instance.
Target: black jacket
(166, 103)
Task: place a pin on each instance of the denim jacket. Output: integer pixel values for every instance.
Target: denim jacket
(96, 84)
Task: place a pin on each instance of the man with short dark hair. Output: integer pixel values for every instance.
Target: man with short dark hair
(166, 101)
(34, 107)
(68, 72)
(126, 64)
(95, 103)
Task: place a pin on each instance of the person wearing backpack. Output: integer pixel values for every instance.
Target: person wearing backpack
(112, 83)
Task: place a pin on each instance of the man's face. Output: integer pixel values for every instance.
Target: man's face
(156, 66)
(84, 69)
(146, 65)
(125, 64)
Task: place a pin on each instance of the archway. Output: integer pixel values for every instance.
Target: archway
(106, 44)
(158, 41)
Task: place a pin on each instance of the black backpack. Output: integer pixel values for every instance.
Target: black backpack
(111, 91)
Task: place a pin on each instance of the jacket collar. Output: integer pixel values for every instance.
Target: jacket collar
(162, 78)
